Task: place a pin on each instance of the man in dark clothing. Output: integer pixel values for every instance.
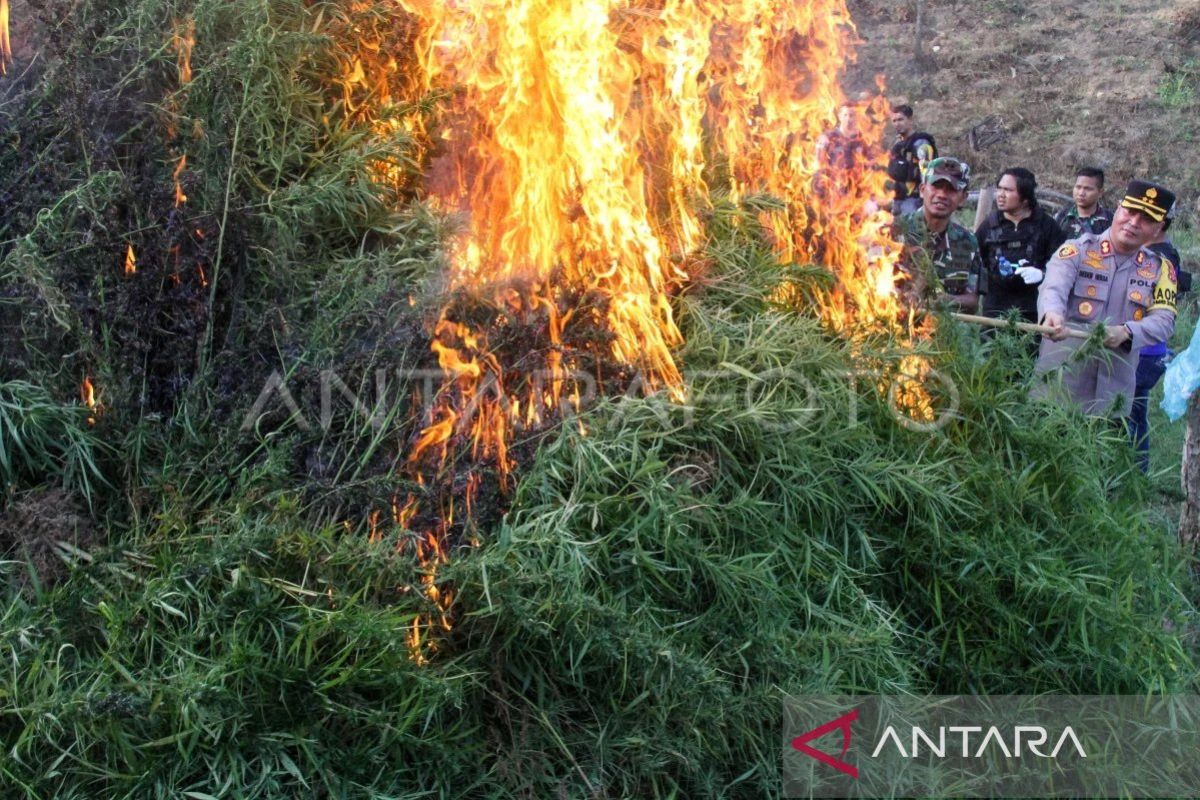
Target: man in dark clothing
(1087, 215)
(910, 153)
(1015, 241)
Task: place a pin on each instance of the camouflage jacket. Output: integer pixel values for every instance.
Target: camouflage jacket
(1075, 226)
(953, 255)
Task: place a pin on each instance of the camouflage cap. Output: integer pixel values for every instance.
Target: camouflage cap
(958, 173)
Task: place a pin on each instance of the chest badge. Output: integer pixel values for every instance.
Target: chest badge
(1086, 309)
(1135, 296)
(1091, 291)
(1138, 313)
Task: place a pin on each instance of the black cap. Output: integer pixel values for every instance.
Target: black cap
(1156, 202)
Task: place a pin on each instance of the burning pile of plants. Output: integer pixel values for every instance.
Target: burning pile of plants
(483, 408)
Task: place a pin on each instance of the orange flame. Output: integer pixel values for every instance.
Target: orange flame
(182, 41)
(130, 260)
(87, 396)
(180, 197)
(5, 42)
(576, 146)
(540, 156)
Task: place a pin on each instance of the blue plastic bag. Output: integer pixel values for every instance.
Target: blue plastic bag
(1182, 378)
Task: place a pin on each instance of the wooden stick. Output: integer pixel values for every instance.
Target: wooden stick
(992, 322)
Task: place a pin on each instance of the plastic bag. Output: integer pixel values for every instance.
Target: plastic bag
(1182, 378)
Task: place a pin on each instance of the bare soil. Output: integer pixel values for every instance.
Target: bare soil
(48, 529)
(1052, 86)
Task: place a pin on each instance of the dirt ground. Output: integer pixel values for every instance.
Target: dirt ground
(1048, 85)
(49, 530)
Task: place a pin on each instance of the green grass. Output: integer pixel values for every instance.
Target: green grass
(42, 440)
(628, 628)
(1177, 90)
(632, 625)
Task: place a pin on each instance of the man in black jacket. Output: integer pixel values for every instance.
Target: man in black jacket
(1015, 241)
(911, 151)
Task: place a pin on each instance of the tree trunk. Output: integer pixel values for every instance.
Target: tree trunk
(1189, 519)
(987, 196)
(919, 36)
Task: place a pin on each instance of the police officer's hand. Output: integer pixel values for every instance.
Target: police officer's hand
(1029, 273)
(1116, 335)
(1058, 322)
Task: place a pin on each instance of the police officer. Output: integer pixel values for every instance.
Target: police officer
(934, 241)
(1152, 360)
(909, 155)
(1088, 214)
(1015, 241)
(1113, 279)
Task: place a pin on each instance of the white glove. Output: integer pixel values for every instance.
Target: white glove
(1030, 274)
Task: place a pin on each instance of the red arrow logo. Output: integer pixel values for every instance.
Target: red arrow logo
(841, 723)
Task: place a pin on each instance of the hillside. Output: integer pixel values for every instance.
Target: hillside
(1057, 85)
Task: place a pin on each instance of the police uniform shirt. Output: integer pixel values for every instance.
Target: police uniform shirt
(1165, 249)
(1073, 226)
(1090, 283)
(1033, 239)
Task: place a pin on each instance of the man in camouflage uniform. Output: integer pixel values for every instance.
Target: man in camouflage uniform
(1088, 214)
(1115, 280)
(941, 257)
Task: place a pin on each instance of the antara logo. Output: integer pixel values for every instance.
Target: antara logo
(1035, 736)
(842, 723)
(975, 742)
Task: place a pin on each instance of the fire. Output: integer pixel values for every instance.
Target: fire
(130, 260)
(576, 145)
(540, 156)
(182, 41)
(5, 42)
(180, 165)
(87, 396)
